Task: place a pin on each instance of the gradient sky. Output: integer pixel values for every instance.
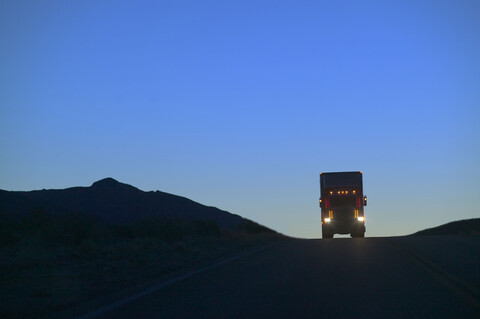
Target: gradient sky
(241, 104)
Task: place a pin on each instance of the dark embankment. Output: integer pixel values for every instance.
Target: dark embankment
(55, 255)
(460, 227)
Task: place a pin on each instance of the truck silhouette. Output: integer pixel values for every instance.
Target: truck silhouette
(342, 202)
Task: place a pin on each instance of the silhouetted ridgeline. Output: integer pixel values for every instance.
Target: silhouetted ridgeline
(109, 201)
(461, 227)
(61, 248)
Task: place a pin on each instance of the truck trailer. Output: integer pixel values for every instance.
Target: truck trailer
(342, 202)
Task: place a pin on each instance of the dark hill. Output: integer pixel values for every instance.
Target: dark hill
(461, 227)
(112, 202)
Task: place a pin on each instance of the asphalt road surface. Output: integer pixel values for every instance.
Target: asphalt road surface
(398, 277)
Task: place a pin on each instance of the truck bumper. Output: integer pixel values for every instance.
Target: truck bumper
(344, 228)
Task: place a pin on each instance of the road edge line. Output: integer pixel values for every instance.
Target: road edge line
(468, 292)
(167, 283)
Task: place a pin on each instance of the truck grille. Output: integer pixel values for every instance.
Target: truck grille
(343, 215)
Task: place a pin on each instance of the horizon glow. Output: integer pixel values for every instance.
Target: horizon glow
(240, 105)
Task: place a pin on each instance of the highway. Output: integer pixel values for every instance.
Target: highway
(396, 277)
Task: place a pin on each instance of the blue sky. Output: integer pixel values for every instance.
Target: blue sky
(241, 104)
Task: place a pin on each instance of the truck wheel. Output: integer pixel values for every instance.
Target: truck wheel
(327, 235)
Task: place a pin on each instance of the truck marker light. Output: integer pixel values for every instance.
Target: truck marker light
(361, 219)
(346, 192)
(331, 193)
(354, 191)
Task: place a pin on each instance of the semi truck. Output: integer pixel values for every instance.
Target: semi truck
(342, 202)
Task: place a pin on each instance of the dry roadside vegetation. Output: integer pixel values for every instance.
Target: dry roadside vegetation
(51, 263)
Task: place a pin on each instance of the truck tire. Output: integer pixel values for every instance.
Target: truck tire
(326, 235)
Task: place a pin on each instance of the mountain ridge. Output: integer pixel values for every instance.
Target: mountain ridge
(460, 227)
(111, 201)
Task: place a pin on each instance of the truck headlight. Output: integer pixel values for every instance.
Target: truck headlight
(327, 220)
(361, 219)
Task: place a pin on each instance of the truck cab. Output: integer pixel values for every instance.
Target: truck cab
(342, 203)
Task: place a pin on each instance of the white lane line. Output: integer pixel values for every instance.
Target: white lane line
(153, 289)
(463, 289)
